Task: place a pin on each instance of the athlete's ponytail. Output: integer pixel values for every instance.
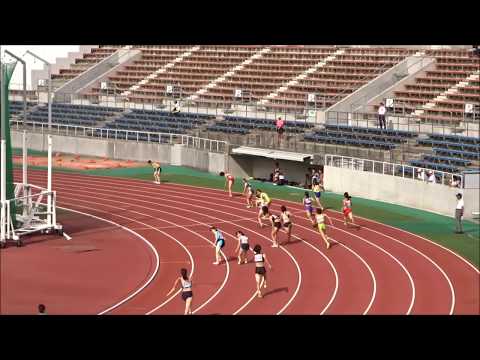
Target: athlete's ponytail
(183, 272)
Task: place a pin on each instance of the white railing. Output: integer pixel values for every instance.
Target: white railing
(387, 168)
(124, 134)
(33, 216)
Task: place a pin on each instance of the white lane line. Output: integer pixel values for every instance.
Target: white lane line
(130, 181)
(157, 261)
(416, 250)
(338, 212)
(373, 221)
(143, 214)
(452, 291)
(372, 275)
(76, 186)
(130, 219)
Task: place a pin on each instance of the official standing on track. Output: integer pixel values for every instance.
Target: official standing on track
(459, 214)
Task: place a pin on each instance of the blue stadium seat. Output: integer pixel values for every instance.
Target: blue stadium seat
(457, 153)
(434, 166)
(447, 160)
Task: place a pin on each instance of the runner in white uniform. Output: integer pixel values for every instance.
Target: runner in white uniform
(186, 286)
(242, 247)
(260, 271)
(286, 217)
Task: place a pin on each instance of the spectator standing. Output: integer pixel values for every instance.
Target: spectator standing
(421, 175)
(276, 174)
(176, 107)
(381, 116)
(459, 214)
(280, 125)
(431, 177)
(455, 182)
(277, 168)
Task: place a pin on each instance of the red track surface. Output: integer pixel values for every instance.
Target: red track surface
(73, 277)
(375, 270)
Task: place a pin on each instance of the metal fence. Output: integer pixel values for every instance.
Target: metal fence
(127, 135)
(293, 139)
(468, 126)
(400, 170)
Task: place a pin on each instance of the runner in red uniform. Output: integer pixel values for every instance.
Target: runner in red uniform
(229, 181)
(347, 210)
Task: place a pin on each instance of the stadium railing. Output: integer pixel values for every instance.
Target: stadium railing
(127, 135)
(469, 127)
(387, 168)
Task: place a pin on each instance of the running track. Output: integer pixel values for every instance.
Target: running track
(377, 269)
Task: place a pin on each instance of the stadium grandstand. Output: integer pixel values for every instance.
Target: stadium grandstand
(328, 95)
(217, 127)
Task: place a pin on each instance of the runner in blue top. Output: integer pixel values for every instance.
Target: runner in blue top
(219, 243)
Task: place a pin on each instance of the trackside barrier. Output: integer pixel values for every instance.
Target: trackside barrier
(32, 213)
(386, 168)
(127, 135)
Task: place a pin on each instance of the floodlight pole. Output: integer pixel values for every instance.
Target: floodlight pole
(3, 168)
(24, 85)
(2, 105)
(49, 67)
(49, 181)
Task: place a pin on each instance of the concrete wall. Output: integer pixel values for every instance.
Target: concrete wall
(391, 189)
(260, 167)
(471, 197)
(217, 162)
(126, 150)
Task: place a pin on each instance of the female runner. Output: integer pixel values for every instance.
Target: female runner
(229, 181)
(307, 202)
(322, 228)
(276, 225)
(347, 210)
(187, 294)
(287, 221)
(260, 271)
(317, 190)
(248, 192)
(156, 171)
(263, 202)
(219, 243)
(242, 247)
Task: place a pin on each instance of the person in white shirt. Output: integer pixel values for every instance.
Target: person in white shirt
(176, 108)
(421, 175)
(459, 214)
(431, 178)
(455, 182)
(381, 116)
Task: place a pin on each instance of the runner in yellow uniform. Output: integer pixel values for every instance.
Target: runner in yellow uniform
(156, 171)
(322, 228)
(263, 201)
